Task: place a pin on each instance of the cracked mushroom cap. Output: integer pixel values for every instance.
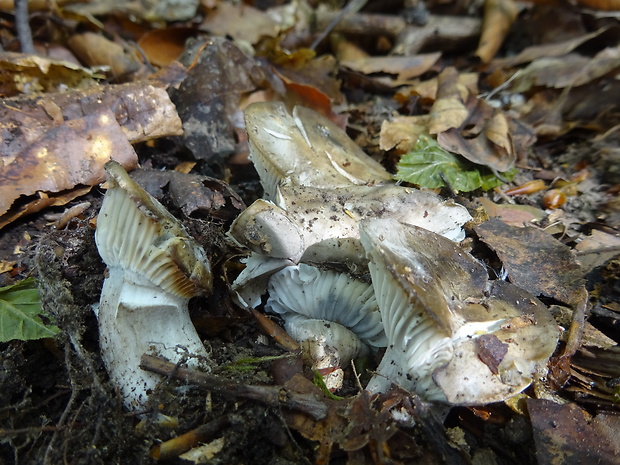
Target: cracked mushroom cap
(304, 148)
(307, 297)
(135, 232)
(453, 335)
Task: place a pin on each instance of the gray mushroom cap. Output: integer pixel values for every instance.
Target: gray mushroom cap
(453, 336)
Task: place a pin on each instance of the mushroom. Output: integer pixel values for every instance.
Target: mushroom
(154, 268)
(334, 316)
(453, 336)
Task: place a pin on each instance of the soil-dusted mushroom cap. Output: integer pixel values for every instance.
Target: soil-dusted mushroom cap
(304, 148)
(453, 335)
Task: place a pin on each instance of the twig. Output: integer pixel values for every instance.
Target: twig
(610, 249)
(31, 430)
(176, 446)
(352, 7)
(24, 34)
(575, 331)
(274, 396)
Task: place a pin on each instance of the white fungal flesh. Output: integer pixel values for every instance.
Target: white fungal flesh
(136, 317)
(345, 344)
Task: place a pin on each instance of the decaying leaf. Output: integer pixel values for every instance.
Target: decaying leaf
(197, 196)
(207, 100)
(241, 21)
(96, 50)
(484, 138)
(65, 156)
(29, 74)
(514, 215)
(20, 313)
(534, 260)
(60, 141)
(163, 46)
(402, 132)
(405, 67)
(571, 70)
(469, 126)
(312, 81)
(568, 435)
(449, 109)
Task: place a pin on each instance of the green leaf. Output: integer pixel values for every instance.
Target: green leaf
(428, 164)
(20, 313)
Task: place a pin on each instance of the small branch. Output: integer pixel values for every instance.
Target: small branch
(176, 446)
(273, 396)
(24, 34)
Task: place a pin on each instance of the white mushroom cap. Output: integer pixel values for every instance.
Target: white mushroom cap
(453, 336)
(154, 267)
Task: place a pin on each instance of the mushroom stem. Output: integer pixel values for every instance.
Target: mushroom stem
(136, 317)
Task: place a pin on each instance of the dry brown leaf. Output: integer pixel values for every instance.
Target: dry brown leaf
(406, 67)
(596, 249)
(163, 46)
(65, 138)
(513, 215)
(428, 89)
(449, 110)
(312, 82)
(28, 74)
(565, 434)
(143, 109)
(568, 71)
(96, 50)
(534, 260)
(402, 132)
(44, 201)
(555, 49)
(346, 50)
(498, 17)
(218, 73)
(483, 138)
(241, 21)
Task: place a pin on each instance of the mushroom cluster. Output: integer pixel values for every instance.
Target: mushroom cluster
(330, 218)
(154, 268)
